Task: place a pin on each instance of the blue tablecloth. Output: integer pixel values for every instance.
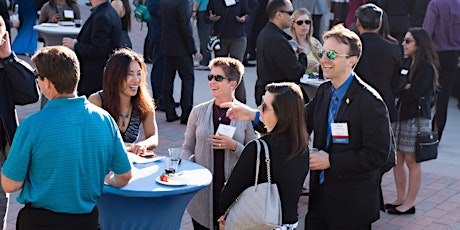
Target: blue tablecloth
(146, 204)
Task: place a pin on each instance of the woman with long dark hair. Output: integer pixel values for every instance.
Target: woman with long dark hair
(283, 114)
(124, 95)
(416, 96)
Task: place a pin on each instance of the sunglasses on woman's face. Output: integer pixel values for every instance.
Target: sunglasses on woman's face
(331, 54)
(217, 77)
(300, 22)
(407, 41)
(265, 107)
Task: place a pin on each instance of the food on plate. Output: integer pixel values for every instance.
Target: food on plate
(164, 177)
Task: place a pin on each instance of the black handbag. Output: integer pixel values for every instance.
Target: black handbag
(214, 41)
(426, 146)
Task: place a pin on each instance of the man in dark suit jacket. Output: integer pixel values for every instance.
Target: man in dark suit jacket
(353, 145)
(276, 60)
(98, 38)
(380, 62)
(178, 46)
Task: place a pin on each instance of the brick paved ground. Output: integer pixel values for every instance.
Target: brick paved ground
(438, 204)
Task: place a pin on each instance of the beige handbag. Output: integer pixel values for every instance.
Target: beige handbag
(257, 207)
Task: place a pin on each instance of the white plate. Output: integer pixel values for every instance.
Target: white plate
(49, 24)
(174, 181)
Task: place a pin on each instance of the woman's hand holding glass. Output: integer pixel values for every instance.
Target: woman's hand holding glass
(222, 142)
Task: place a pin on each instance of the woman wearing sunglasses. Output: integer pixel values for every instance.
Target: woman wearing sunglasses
(302, 34)
(124, 95)
(216, 150)
(282, 111)
(422, 81)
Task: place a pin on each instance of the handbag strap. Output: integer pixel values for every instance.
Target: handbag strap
(257, 163)
(434, 115)
(267, 161)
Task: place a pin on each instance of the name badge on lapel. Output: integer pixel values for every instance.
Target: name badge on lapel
(404, 72)
(340, 133)
(230, 2)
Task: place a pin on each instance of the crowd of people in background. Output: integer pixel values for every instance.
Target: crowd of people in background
(388, 63)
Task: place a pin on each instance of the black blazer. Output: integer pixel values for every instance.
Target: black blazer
(276, 60)
(98, 38)
(17, 87)
(420, 93)
(350, 193)
(379, 66)
(176, 30)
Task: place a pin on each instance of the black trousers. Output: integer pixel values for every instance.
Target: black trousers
(448, 61)
(216, 216)
(183, 65)
(317, 222)
(34, 218)
(157, 73)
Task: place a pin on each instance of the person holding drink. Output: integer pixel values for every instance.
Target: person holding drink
(302, 33)
(212, 148)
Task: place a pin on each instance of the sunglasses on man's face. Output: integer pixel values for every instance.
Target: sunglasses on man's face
(287, 12)
(217, 77)
(300, 22)
(331, 54)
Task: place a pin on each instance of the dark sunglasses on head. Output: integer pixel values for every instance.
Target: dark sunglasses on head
(265, 108)
(331, 54)
(300, 22)
(407, 41)
(287, 12)
(218, 78)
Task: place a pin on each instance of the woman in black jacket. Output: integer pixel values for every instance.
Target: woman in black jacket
(418, 92)
(282, 112)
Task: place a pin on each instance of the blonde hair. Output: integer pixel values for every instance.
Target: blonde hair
(314, 44)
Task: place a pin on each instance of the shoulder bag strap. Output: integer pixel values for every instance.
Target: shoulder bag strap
(435, 128)
(418, 117)
(267, 160)
(257, 163)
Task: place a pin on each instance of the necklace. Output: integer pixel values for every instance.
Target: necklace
(219, 118)
(124, 117)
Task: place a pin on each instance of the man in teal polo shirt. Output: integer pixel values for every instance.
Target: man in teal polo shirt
(61, 155)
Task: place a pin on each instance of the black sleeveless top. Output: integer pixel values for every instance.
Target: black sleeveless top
(131, 134)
